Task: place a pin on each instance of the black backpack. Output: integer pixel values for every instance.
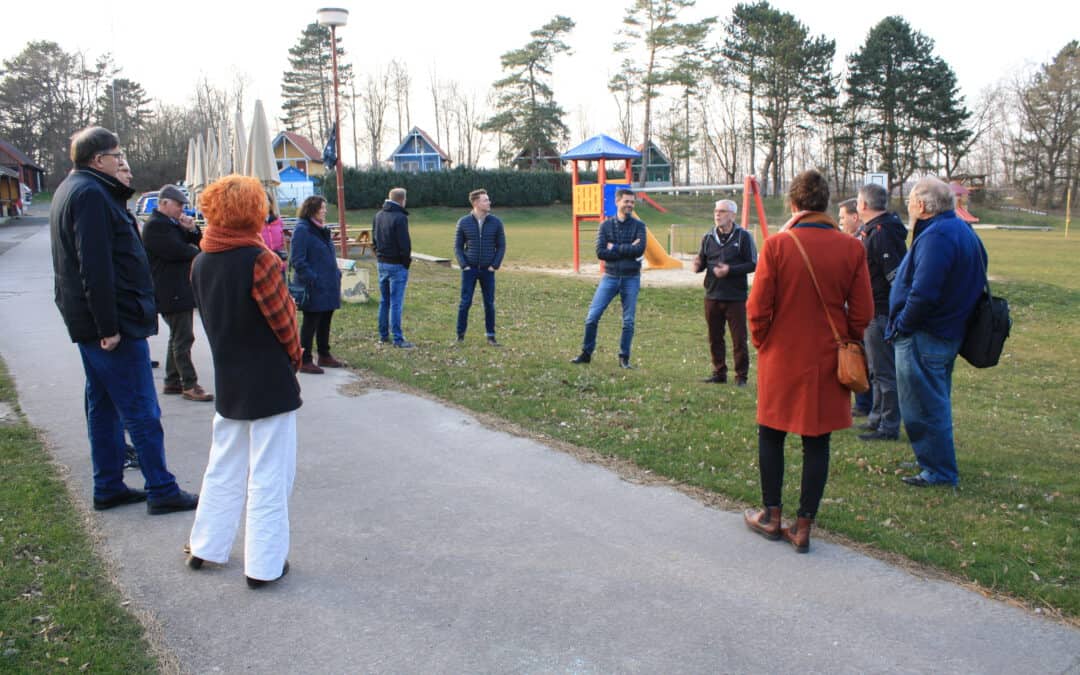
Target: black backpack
(987, 328)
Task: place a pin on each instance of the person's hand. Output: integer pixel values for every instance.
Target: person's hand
(721, 270)
(610, 245)
(490, 268)
(187, 222)
(635, 242)
(698, 262)
(110, 343)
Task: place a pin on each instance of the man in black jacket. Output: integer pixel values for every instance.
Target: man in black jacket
(393, 248)
(104, 292)
(172, 241)
(726, 256)
(884, 237)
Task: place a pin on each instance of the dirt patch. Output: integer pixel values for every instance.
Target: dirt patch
(650, 278)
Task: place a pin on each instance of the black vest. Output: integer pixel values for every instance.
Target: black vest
(253, 377)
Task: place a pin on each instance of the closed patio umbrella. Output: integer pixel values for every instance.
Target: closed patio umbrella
(260, 161)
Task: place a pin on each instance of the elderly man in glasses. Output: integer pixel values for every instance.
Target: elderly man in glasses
(727, 255)
(106, 297)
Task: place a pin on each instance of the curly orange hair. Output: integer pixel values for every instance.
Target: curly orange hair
(235, 202)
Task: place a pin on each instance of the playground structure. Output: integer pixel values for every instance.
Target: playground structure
(594, 202)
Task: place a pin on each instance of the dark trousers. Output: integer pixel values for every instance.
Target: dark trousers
(469, 279)
(179, 370)
(815, 470)
(316, 325)
(719, 313)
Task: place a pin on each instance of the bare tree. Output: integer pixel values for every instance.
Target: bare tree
(376, 100)
(400, 83)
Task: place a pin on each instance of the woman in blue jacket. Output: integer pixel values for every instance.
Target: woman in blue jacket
(314, 264)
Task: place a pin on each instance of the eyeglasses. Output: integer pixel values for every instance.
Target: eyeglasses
(118, 155)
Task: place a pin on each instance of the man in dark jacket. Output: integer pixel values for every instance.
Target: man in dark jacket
(933, 294)
(172, 241)
(620, 243)
(393, 248)
(884, 237)
(105, 294)
(479, 245)
(727, 255)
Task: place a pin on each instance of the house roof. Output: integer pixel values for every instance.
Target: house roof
(655, 148)
(302, 144)
(18, 155)
(601, 147)
(423, 134)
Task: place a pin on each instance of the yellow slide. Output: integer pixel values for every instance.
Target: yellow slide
(657, 257)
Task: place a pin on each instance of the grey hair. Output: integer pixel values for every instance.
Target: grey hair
(731, 206)
(874, 196)
(936, 196)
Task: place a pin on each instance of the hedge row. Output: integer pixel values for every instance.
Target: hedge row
(368, 189)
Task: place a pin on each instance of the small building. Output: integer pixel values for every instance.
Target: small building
(545, 158)
(29, 173)
(658, 169)
(417, 152)
(295, 187)
(293, 150)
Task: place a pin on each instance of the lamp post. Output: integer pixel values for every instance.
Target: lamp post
(334, 17)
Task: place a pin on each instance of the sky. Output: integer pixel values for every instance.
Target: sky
(169, 47)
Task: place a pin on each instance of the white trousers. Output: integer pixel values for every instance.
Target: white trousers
(256, 457)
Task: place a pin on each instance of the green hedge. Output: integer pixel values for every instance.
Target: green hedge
(368, 189)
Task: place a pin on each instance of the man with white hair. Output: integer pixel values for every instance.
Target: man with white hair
(932, 297)
(727, 255)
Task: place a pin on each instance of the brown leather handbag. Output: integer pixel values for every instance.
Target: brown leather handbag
(851, 367)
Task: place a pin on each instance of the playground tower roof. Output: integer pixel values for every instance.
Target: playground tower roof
(601, 147)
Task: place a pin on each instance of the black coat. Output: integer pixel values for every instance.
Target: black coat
(171, 249)
(885, 239)
(314, 262)
(102, 276)
(390, 234)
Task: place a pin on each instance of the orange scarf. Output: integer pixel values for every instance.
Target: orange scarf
(217, 239)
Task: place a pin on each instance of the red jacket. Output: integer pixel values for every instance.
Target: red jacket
(797, 387)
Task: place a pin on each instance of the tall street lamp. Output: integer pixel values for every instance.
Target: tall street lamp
(334, 17)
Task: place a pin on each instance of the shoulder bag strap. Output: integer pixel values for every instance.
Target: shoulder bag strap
(813, 277)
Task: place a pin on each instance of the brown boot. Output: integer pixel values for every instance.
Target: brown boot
(798, 535)
(765, 522)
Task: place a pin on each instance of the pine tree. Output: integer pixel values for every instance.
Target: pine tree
(307, 88)
(527, 113)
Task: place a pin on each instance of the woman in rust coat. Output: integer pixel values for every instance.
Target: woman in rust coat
(798, 391)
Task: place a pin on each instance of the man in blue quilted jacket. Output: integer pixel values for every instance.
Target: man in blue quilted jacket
(620, 244)
(479, 245)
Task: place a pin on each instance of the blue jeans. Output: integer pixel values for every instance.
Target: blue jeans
(392, 281)
(120, 395)
(469, 278)
(627, 289)
(924, 367)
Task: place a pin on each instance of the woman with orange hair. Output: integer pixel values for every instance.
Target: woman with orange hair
(250, 322)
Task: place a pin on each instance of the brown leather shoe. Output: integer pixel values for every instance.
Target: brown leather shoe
(798, 535)
(172, 389)
(329, 361)
(310, 368)
(765, 522)
(197, 393)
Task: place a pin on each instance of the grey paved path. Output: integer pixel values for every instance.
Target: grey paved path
(443, 546)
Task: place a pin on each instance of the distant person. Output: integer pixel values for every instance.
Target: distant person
(172, 241)
(105, 295)
(851, 224)
(798, 391)
(250, 321)
(273, 232)
(479, 245)
(884, 237)
(620, 244)
(932, 297)
(727, 255)
(125, 176)
(393, 249)
(314, 262)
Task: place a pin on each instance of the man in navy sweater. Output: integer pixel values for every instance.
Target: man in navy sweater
(479, 245)
(932, 297)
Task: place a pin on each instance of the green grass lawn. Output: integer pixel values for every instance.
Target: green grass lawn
(1009, 528)
(59, 611)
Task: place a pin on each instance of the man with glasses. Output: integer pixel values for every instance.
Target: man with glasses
(727, 255)
(105, 295)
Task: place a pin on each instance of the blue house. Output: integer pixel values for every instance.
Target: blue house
(418, 152)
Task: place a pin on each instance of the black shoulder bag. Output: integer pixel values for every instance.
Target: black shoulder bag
(987, 328)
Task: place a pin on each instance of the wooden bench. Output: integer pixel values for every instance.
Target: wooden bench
(445, 262)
